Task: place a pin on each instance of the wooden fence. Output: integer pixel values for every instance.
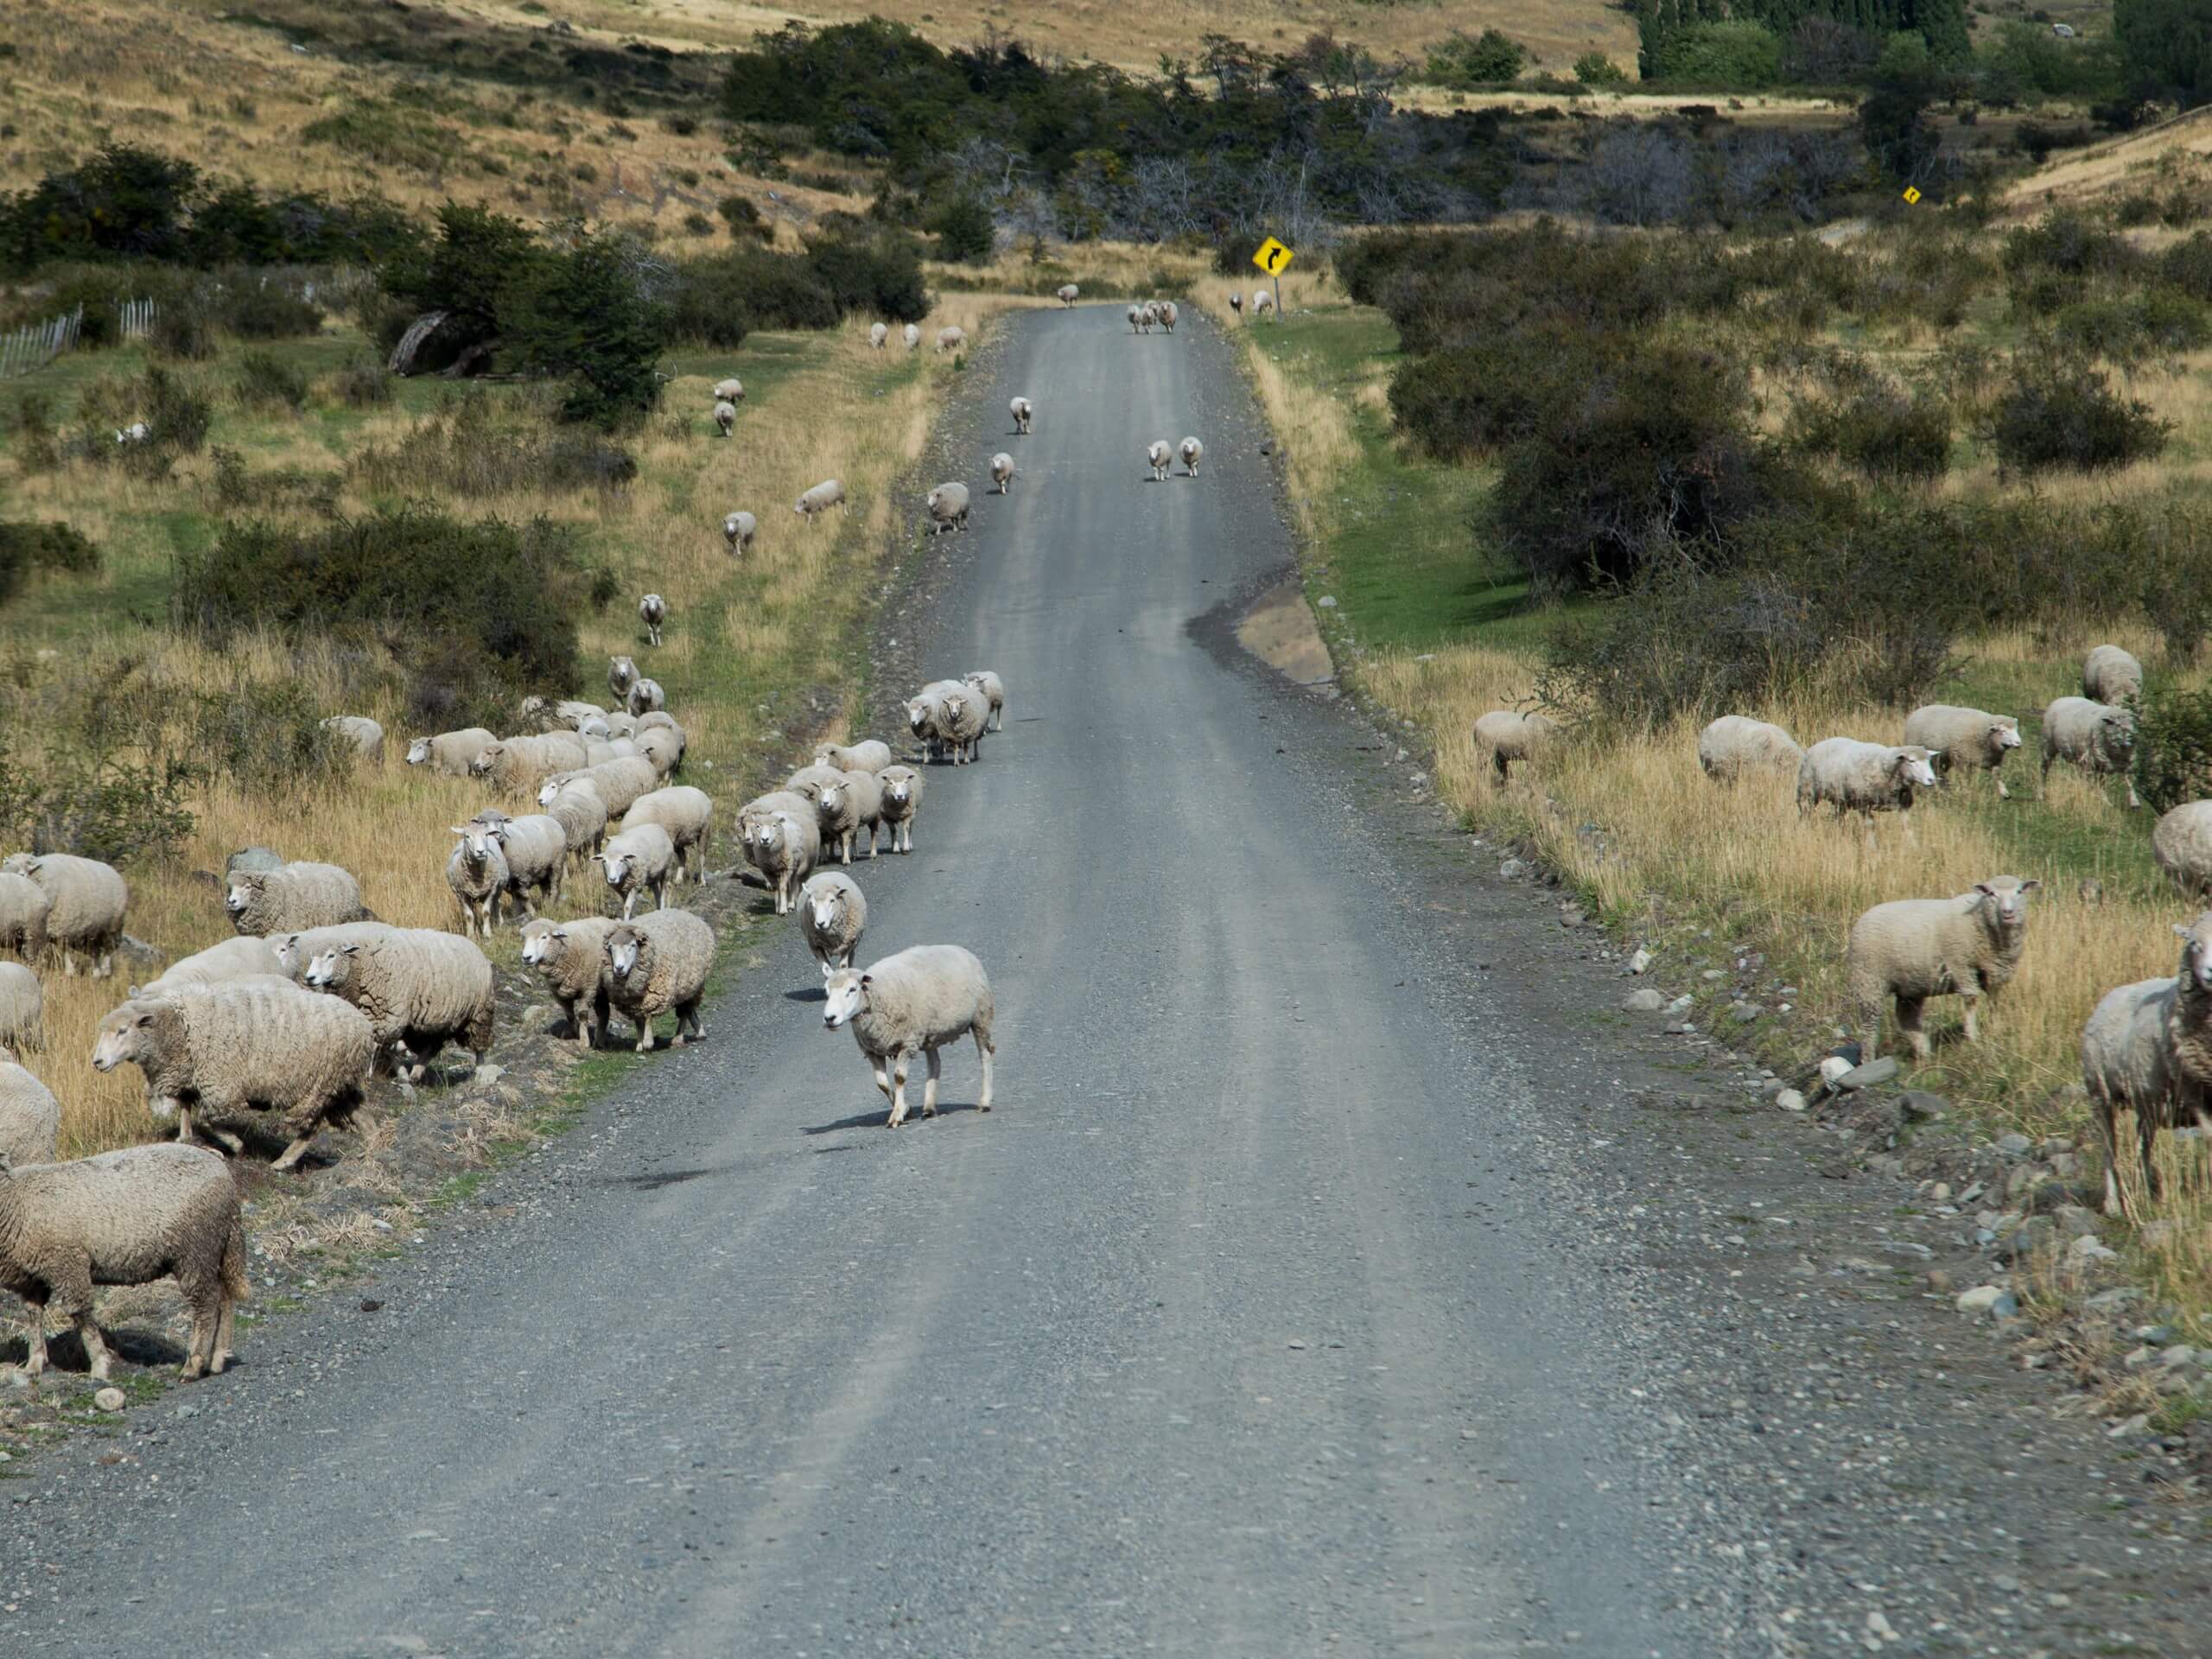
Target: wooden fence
(37, 345)
(135, 318)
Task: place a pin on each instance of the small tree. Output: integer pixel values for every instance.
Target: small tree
(1596, 69)
(965, 231)
(1489, 59)
(590, 313)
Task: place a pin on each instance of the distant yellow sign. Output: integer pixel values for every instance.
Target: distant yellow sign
(1272, 257)
(1912, 193)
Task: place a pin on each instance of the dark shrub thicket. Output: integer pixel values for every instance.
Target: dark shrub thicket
(1881, 431)
(2064, 414)
(30, 546)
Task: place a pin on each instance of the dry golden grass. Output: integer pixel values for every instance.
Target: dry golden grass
(1316, 434)
(2172, 152)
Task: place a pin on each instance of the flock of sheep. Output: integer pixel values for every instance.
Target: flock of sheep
(2147, 1047)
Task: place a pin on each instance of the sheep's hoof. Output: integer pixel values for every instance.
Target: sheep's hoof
(193, 1369)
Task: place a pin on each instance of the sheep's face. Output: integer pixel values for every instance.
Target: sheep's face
(550, 789)
(242, 892)
(124, 1036)
(1915, 767)
(2006, 734)
(2117, 728)
(330, 969)
(832, 800)
(19, 864)
(825, 904)
(846, 996)
(2007, 899)
(619, 865)
(482, 764)
(953, 708)
(538, 946)
(899, 789)
(918, 717)
(479, 842)
(418, 750)
(624, 949)
(2197, 952)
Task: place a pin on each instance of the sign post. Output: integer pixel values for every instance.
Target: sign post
(1272, 258)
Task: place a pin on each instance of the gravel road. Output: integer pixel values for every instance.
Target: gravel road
(1317, 1285)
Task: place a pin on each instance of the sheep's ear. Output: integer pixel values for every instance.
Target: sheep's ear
(130, 993)
(458, 828)
(2180, 932)
(867, 979)
(349, 950)
(144, 1020)
(2029, 885)
(1984, 887)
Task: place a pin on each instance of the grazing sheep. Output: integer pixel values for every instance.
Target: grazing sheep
(869, 755)
(914, 336)
(24, 907)
(1137, 320)
(664, 747)
(1913, 948)
(535, 849)
(647, 697)
(638, 861)
(2148, 1047)
(23, 1008)
(1735, 744)
(1159, 457)
(364, 733)
(832, 915)
(595, 731)
(1965, 738)
(515, 765)
(450, 753)
(951, 338)
(877, 334)
(725, 416)
(993, 691)
(737, 532)
(659, 717)
(295, 896)
(658, 963)
(2181, 845)
(599, 753)
(476, 870)
(296, 950)
(652, 611)
(621, 723)
(730, 390)
(570, 714)
(582, 818)
(1067, 293)
(421, 988)
(617, 783)
(1236, 302)
(125, 1217)
(687, 814)
(948, 508)
(902, 799)
(30, 1118)
(85, 904)
(572, 957)
(1862, 777)
(1192, 451)
(224, 1052)
(2110, 675)
(923, 998)
(2098, 737)
(1001, 472)
(1024, 411)
(1509, 736)
(247, 954)
(1167, 313)
(785, 846)
(830, 493)
(621, 675)
(1262, 302)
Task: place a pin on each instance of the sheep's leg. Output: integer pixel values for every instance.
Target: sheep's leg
(1908, 1011)
(882, 1077)
(983, 1047)
(229, 1142)
(35, 1361)
(183, 1120)
(220, 1359)
(1972, 999)
(928, 1087)
(205, 1296)
(2108, 1131)
(2002, 793)
(645, 1034)
(290, 1157)
(68, 962)
(686, 1013)
(2133, 802)
(2146, 1134)
(898, 1090)
(106, 965)
(629, 903)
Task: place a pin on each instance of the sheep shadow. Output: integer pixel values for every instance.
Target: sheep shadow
(812, 994)
(65, 1350)
(881, 1115)
(654, 1181)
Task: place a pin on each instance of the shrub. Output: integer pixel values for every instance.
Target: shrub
(365, 382)
(266, 381)
(965, 232)
(1596, 69)
(881, 278)
(591, 315)
(1464, 61)
(1472, 400)
(267, 739)
(183, 329)
(1733, 57)
(2066, 415)
(476, 447)
(28, 546)
(742, 217)
(2176, 585)
(2173, 745)
(698, 224)
(259, 308)
(2128, 331)
(2187, 266)
(31, 434)
(1882, 431)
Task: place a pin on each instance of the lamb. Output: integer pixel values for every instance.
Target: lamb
(636, 860)
(1159, 457)
(877, 334)
(993, 691)
(296, 950)
(1024, 411)
(785, 846)
(621, 723)
(1862, 777)
(570, 714)
(1001, 471)
(725, 416)
(687, 814)
(1262, 301)
(2148, 1047)
(832, 914)
(366, 736)
(647, 697)
(2110, 675)
(1236, 302)
(902, 799)
(242, 958)
(1914, 948)
(30, 1118)
(294, 896)
(617, 783)
(923, 998)
(2181, 845)
(226, 1051)
(535, 849)
(23, 1008)
(1965, 738)
(85, 904)
(1137, 320)
(621, 675)
(655, 963)
(1067, 293)
(2098, 737)
(125, 1217)
(450, 753)
(869, 755)
(652, 611)
(951, 338)
(730, 390)
(737, 532)
(948, 508)
(1736, 744)
(914, 336)
(24, 908)
(1167, 313)
(594, 731)
(572, 957)
(1191, 451)
(1509, 736)
(664, 747)
(514, 765)
(420, 987)
(476, 870)
(830, 493)
(582, 818)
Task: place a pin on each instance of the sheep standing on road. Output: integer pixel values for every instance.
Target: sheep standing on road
(1024, 411)
(292, 896)
(877, 334)
(1002, 471)
(476, 870)
(1862, 777)
(830, 493)
(85, 904)
(1159, 457)
(656, 964)
(737, 532)
(687, 814)
(902, 799)
(639, 861)
(1735, 744)
(1137, 320)
(2148, 1047)
(652, 611)
(837, 815)
(948, 508)
(725, 416)
(1965, 738)
(420, 989)
(2110, 675)
(30, 1118)
(832, 915)
(1913, 948)
(125, 1217)
(363, 735)
(785, 845)
(2098, 737)
(869, 755)
(1167, 314)
(921, 999)
(23, 1008)
(1067, 293)
(572, 957)
(951, 338)
(992, 690)
(1192, 451)
(1509, 735)
(914, 336)
(1150, 314)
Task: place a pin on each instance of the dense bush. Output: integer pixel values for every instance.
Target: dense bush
(1882, 431)
(267, 739)
(1734, 57)
(743, 218)
(2173, 745)
(964, 230)
(30, 546)
(2062, 414)
(264, 380)
(592, 313)
(1596, 69)
(183, 330)
(2166, 49)
(1466, 61)
(1474, 398)
(476, 447)
(365, 382)
(2153, 323)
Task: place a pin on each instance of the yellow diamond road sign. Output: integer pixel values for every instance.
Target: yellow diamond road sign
(1272, 257)
(1912, 193)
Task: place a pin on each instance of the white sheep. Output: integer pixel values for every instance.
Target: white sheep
(2110, 675)
(1862, 777)
(595, 730)
(569, 714)
(1736, 744)
(86, 902)
(136, 432)
(652, 611)
(810, 780)
(617, 783)
(830, 493)
(1001, 472)
(647, 697)
(1167, 314)
(30, 1118)
(914, 336)
(2181, 845)
(420, 989)
(220, 1054)
(1159, 457)
(729, 390)
(535, 849)
(687, 814)
(638, 861)
(1192, 452)
(921, 999)
(1964, 739)
(450, 753)
(837, 815)
(366, 736)
(958, 716)
(1913, 948)
(725, 416)
(1067, 293)
(296, 950)
(621, 675)
(664, 747)
(515, 765)
(2148, 1047)
(659, 717)
(476, 870)
(242, 958)
(865, 792)
(785, 845)
(993, 691)
(832, 915)
(951, 338)
(1262, 302)
(621, 723)
(24, 907)
(23, 1008)
(902, 799)
(1150, 314)
(948, 508)
(125, 1217)
(1024, 411)
(571, 955)
(582, 818)
(877, 334)
(869, 755)
(2098, 737)
(1508, 734)
(294, 896)
(737, 532)
(657, 963)
(1137, 320)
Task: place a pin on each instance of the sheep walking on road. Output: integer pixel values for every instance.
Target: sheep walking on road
(1024, 411)
(832, 915)
(1159, 457)
(657, 965)
(1191, 451)
(1911, 950)
(948, 508)
(1167, 314)
(992, 690)
(871, 754)
(1068, 293)
(1002, 471)
(652, 611)
(902, 800)
(921, 999)
(1137, 320)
